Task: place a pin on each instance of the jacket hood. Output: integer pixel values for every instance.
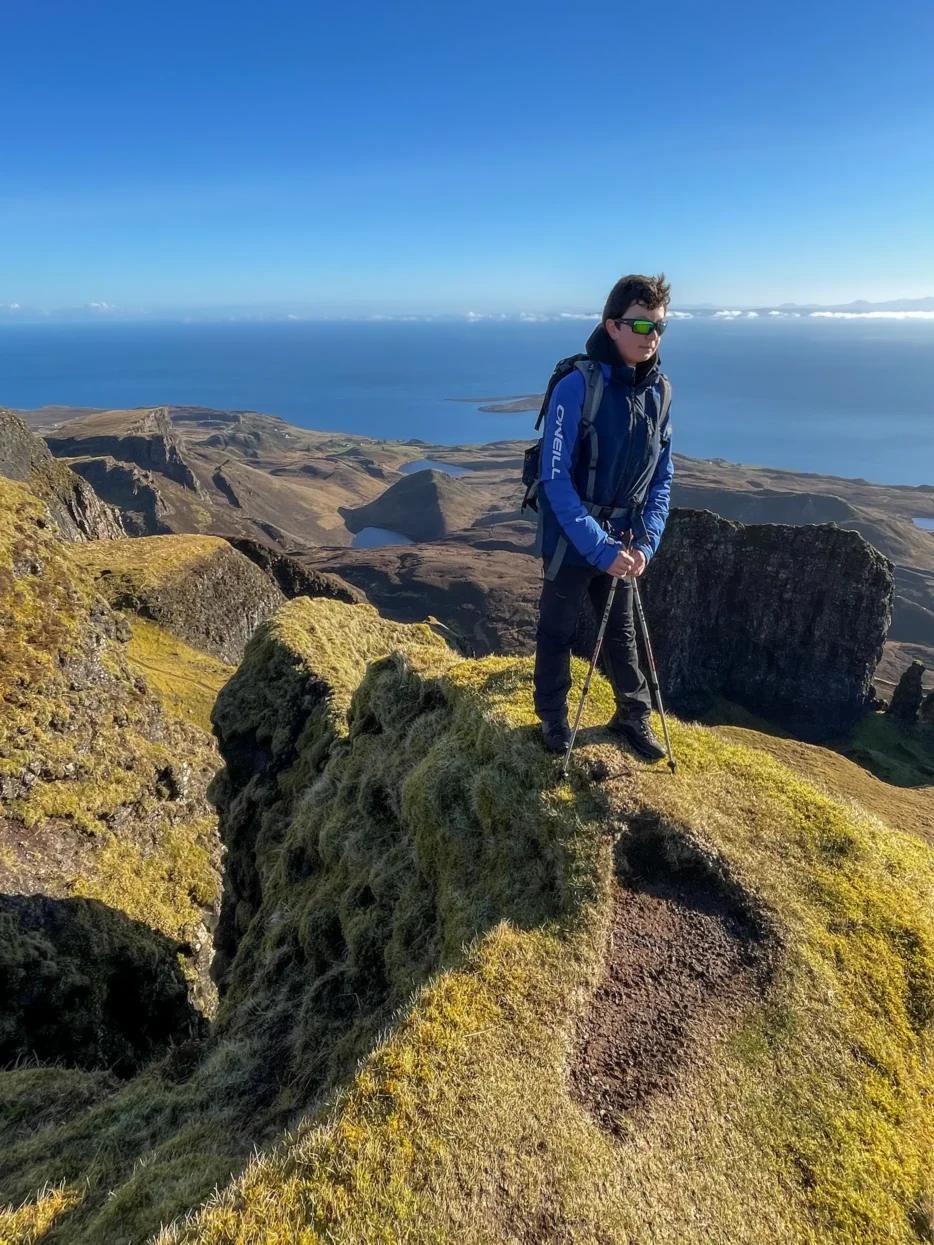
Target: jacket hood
(602, 349)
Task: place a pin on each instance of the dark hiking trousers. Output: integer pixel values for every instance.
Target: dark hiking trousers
(559, 610)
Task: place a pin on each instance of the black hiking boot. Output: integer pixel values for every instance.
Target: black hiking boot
(556, 734)
(638, 734)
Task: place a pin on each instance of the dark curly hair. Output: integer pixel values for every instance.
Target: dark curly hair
(650, 291)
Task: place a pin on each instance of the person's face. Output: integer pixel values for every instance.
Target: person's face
(633, 347)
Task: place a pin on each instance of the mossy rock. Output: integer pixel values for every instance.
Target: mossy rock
(72, 504)
(102, 793)
(82, 985)
(398, 1053)
(278, 718)
(199, 588)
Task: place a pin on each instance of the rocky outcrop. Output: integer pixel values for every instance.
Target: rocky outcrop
(81, 985)
(102, 795)
(150, 442)
(894, 535)
(131, 490)
(787, 621)
(292, 578)
(908, 696)
(197, 587)
(275, 722)
(426, 505)
(78, 511)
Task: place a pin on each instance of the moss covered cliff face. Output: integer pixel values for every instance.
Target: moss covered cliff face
(75, 508)
(102, 793)
(198, 587)
(413, 1045)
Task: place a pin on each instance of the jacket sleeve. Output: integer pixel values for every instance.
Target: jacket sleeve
(658, 500)
(559, 454)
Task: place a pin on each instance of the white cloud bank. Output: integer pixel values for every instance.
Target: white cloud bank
(872, 315)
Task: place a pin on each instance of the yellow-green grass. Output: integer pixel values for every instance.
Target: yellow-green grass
(144, 562)
(85, 745)
(186, 680)
(901, 755)
(449, 1119)
(103, 423)
(910, 809)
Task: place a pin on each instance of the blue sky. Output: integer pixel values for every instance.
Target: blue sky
(354, 158)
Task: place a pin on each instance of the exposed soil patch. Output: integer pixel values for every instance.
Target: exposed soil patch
(686, 955)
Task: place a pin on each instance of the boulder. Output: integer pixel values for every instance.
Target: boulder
(908, 696)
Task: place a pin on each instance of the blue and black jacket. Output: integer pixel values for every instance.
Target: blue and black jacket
(634, 467)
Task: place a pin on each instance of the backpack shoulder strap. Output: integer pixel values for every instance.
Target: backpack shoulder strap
(593, 396)
(563, 368)
(666, 397)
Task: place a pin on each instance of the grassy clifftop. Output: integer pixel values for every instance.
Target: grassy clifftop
(478, 1004)
(196, 587)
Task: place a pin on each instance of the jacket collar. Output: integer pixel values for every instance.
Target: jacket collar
(602, 349)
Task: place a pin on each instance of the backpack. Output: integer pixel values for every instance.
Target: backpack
(593, 379)
(593, 396)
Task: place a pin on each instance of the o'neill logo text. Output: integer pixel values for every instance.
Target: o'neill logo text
(557, 445)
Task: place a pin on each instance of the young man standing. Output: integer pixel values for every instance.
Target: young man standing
(606, 522)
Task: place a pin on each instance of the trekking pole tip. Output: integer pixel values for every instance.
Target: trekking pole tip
(673, 767)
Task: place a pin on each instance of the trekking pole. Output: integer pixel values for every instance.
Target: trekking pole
(588, 680)
(653, 673)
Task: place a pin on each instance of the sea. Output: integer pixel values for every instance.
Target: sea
(850, 397)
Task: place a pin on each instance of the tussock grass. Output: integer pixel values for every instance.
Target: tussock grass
(402, 1008)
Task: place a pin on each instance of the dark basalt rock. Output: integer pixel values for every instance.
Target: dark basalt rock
(83, 985)
(132, 490)
(788, 621)
(908, 696)
(292, 578)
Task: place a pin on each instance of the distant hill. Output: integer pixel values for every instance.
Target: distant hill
(426, 505)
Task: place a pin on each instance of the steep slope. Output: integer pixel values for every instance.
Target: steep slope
(75, 508)
(197, 587)
(102, 794)
(412, 1031)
